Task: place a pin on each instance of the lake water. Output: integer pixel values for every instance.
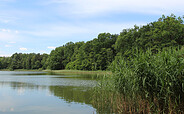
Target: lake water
(41, 93)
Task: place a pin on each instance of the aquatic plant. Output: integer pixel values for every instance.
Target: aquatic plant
(154, 79)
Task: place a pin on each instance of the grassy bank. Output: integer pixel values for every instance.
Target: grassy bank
(4, 70)
(71, 72)
(68, 72)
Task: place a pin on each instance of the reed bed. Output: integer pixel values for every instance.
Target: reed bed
(146, 82)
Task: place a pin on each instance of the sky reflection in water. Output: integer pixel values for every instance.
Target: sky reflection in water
(48, 94)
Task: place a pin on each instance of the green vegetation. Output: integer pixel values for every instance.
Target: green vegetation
(79, 72)
(148, 73)
(147, 64)
(156, 80)
(94, 55)
(24, 61)
(99, 53)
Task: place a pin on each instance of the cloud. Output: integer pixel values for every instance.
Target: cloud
(42, 51)
(55, 30)
(93, 7)
(8, 45)
(11, 42)
(4, 36)
(5, 30)
(23, 49)
(16, 31)
(82, 31)
(51, 47)
(7, 0)
(10, 36)
(5, 55)
(7, 16)
(114, 28)
(4, 21)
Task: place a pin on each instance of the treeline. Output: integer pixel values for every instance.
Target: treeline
(24, 61)
(99, 53)
(96, 54)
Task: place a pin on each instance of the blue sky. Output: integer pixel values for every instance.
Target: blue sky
(39, 26)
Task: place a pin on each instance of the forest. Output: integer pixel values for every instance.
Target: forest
(99, 53)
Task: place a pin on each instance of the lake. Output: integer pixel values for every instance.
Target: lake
(42, 93)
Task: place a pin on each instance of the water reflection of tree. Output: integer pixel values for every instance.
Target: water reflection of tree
(77, 94)
(21, 87)
(17, 85)
(72, 93)
(68, 93)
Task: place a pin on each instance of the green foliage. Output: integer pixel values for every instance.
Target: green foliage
(156, 77)
(167, 31)
(4, 62)
(56, 59)
(100, 52)
(24, 61)
(96, 54)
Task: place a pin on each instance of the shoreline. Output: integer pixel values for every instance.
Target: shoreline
(65, 71)
(20, 70)
(78, 72)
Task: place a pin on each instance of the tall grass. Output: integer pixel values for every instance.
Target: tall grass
(106, 99)
(155, 79)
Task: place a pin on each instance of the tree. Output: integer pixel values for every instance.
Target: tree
(56, 59)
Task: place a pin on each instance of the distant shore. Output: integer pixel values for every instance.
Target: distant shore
(65, 71)
(20, 70)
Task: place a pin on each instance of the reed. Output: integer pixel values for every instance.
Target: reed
(154, 80)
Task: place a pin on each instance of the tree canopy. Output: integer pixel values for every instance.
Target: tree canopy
(100, 52)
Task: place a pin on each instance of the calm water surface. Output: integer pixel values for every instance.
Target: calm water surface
(41, 93)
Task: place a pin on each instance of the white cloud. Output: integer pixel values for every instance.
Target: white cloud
(4, 36)
(113, 28)
(5, 55)
(5, 19)
(16, 31)
(11, 42)
(8, 45)
(91, 7)
(5, 30)
(23, 49)
(42, 51)
(67, 31)
(7, 0)
(53, 30)
(51, 47)
(10, 36)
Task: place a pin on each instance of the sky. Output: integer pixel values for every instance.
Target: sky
(38, 26)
